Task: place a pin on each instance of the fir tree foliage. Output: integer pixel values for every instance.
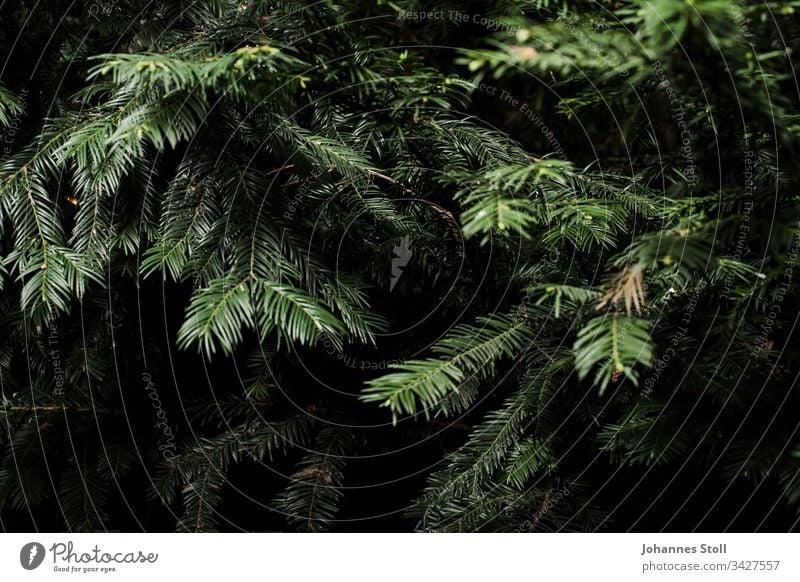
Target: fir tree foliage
(204, 199)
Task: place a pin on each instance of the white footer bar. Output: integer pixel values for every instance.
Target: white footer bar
(401, 557)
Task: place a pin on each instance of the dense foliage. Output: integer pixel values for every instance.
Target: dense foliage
(478, 266)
